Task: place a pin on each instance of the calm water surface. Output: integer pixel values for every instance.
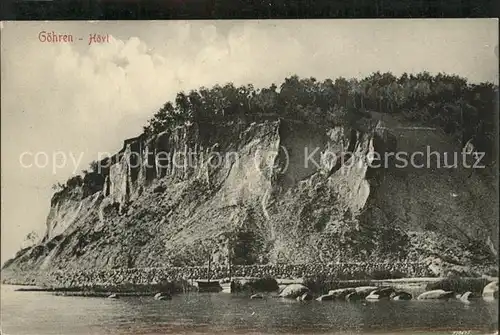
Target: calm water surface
(43, 313)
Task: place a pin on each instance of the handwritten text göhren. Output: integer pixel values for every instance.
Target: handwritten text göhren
(53, 37)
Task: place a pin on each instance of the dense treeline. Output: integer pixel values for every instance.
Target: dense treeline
(464, 111)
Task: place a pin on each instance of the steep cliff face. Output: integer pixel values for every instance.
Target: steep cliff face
(276, 191)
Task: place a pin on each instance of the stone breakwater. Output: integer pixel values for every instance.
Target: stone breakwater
(152, 276)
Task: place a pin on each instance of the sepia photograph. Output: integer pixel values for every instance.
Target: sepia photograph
(250, 177)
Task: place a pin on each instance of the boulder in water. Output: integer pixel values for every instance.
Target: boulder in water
(490, 291)
(257, 296)
(401, 295)
(326, 297)
(341, 293)
(436, 294)
(293, 291)
(360, 293)
(466, 296)
(355, 296)
(365, 289)
(381, 293)
(305, 297)
(162, 296)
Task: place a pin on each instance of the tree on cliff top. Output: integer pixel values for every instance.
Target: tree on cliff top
(57, 187)
(74, 181)
(94, 166)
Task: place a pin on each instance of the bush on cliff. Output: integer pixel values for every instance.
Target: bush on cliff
(74, 181)
(246, 248)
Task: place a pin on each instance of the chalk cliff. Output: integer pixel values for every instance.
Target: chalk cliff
(274, 191)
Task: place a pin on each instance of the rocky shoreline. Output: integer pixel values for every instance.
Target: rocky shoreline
(462, 289)
(402, 280)
(153, 276)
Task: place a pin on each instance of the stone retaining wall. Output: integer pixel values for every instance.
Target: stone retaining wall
(148, 276)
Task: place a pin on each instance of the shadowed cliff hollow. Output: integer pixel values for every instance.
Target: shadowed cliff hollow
(268, 192)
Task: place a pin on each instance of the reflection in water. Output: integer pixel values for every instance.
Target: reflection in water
(43, 313)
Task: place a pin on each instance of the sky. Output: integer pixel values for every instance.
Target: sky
(71, 101)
